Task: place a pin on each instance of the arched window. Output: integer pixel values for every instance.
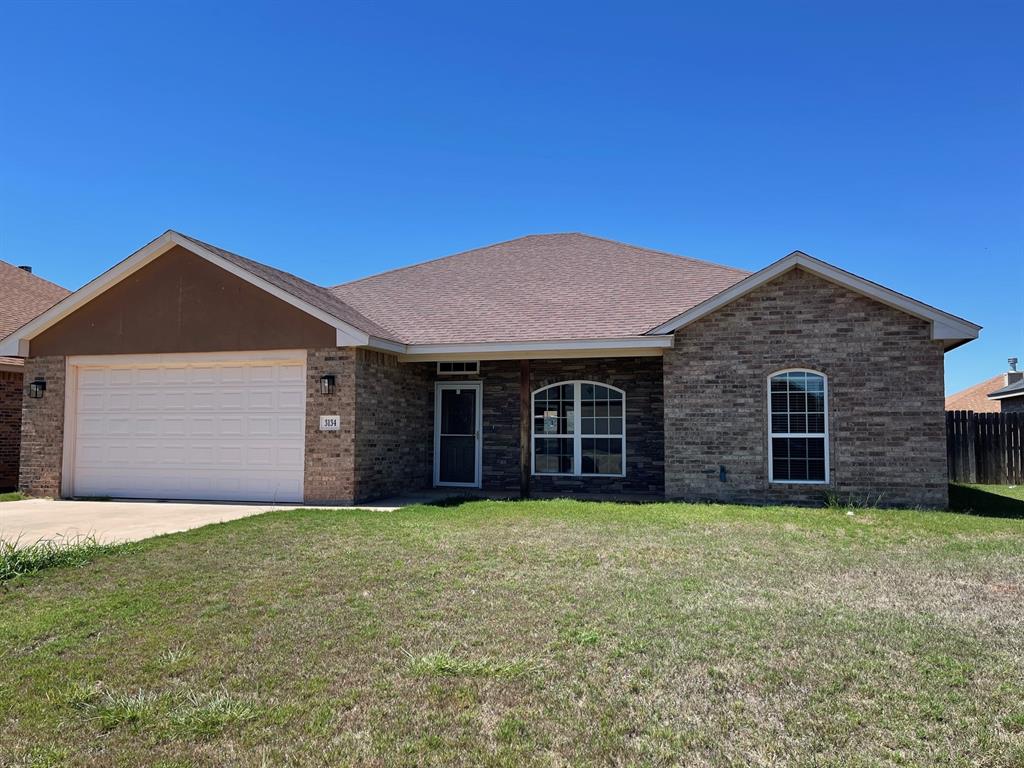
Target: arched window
(579, 428)
(797, 427)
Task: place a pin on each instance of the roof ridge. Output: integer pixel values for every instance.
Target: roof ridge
(542, 234)
(663, 253)
(436, 259)
(33, 274)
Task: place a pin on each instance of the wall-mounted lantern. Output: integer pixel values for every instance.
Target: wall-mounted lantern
(36, 388)
(327, 384)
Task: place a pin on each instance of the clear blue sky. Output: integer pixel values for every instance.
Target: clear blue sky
(339, 140)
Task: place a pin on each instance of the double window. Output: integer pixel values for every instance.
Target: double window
(798, 427)
(579, 428)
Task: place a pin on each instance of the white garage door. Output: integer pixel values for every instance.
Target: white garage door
(190, 428)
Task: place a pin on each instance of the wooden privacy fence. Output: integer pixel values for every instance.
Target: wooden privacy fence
(985, 447)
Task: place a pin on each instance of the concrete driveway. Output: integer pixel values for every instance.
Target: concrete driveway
(110, 521)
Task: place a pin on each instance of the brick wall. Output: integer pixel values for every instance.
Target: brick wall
(329, 476)
(886, 406)
(42, 429)
(329, 463)
(394, 425)
(639, 377)
(10, 428)
(1012, 405)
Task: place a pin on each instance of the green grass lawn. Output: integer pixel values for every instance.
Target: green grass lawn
(11, 496)
(537, 633)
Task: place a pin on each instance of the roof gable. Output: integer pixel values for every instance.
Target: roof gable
(310, 298)
(945, 327)
(182, 303)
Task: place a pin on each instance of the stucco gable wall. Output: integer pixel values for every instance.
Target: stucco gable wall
(887, 431)
(180, 302)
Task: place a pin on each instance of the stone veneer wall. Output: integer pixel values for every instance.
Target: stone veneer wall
(329, 476)
(10, 428)
(639, 377)
(394, 425)
(885, 391)
(42, 429)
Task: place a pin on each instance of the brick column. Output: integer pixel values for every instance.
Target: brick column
(329, 476)
(42, 429)
(10, 428)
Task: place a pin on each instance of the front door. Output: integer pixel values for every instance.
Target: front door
(457, 434)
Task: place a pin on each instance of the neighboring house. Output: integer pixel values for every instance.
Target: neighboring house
(1010, 395)
(548, 365)
(975, 398)
(22, 297)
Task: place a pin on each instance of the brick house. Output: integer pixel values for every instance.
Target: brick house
(548, 365)
(22, 297)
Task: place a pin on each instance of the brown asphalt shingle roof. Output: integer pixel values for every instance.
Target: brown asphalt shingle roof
(22, 297)
(536, 288)
(976, 398)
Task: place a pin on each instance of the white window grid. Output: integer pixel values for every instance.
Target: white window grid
(577, 435)
(823, 435)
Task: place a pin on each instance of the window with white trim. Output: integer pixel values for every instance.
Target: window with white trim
(798, 427)
(579, 428)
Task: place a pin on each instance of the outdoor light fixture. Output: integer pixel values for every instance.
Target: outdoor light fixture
(327, 384)
(36, 388)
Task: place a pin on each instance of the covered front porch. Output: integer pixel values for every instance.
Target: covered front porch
(582, 427)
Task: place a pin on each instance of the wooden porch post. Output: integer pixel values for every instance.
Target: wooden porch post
(524, 428)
